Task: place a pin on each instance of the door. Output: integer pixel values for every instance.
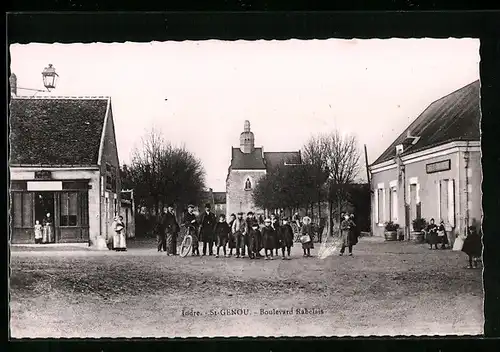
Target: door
(45, 205)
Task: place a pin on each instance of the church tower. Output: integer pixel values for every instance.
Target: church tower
(247, 139)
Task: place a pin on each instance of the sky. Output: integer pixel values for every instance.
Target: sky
(288, 90)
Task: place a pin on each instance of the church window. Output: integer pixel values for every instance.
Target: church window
(248, 184)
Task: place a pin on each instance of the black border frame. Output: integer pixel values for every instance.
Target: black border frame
(120, 27)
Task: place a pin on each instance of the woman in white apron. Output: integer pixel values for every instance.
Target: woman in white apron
(119, 243)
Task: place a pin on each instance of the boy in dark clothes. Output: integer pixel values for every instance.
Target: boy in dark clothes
(286, 238)
(222, 232)
(253, 235)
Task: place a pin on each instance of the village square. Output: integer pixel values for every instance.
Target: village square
(182, 215)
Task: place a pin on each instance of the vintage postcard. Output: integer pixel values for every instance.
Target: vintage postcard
(245, 188)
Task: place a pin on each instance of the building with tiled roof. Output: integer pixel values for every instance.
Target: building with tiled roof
(63, 161)
(433, 168)
(248, 165)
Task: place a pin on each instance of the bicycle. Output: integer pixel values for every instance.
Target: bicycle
(187, 241)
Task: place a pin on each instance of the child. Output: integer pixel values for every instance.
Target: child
(232, 240)
(222, 232)
(286, 238)
(307, 236)
(269, 237)
(473, 247)
(443, 238)
(38, 232)
(275, 225)
(253, 244)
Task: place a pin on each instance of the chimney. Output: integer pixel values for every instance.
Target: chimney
(13, 84)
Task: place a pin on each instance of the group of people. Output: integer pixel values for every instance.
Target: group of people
(472, 246)
(44, 232)
(243, 236)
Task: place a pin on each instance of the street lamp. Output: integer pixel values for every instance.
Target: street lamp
(49, 81)
(49, 77)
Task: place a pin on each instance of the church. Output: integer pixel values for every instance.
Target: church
(248, 165)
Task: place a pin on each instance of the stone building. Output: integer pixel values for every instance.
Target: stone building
(248, 165)
(63, 161)
(433, 169)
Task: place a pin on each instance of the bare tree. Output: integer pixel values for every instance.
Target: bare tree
(162, 173)
(342, 161)
(315, 155)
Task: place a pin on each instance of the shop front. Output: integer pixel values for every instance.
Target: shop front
(65, 203)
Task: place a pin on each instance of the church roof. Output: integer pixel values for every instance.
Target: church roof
(247, 161)
(454, 117)
(274, 159)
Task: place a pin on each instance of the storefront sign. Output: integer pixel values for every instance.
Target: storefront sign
(45, 186)
(43, 175)
(438, 166)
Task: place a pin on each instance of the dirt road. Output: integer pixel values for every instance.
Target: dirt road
(384, 289)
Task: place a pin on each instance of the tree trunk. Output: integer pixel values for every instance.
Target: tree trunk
(330, 217)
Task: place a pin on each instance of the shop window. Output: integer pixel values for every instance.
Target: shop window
(69, 209)
(21, 211)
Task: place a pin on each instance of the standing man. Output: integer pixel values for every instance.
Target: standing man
(191, 223)
(276, 227)
(160, 231)
(171, 230)
(207, 227)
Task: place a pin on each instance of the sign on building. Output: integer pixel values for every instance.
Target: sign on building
(438, 166)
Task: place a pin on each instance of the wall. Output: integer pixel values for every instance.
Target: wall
(110, 156)
(237, 198)
(427, 190)
(92, 174)
(472, 186)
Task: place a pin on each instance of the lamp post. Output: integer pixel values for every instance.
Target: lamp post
(49, 76)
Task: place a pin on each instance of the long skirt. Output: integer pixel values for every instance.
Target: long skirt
(48, 234)
(432, 238)
(119, 241)
(171, 243)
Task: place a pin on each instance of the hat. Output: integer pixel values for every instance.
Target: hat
(191, 206)
(208, 206)
(250, 213)
(306, 219)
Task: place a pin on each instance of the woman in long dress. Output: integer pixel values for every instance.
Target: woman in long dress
(119, 242)
(48, 232)
(432, 234)
(269, 239)
(348, 232)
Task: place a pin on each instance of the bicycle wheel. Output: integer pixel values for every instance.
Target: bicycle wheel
(186, 245)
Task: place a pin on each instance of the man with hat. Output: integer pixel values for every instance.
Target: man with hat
(191, 223)
(207, 227)
(171, 228)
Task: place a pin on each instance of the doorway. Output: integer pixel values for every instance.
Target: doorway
(44, 204)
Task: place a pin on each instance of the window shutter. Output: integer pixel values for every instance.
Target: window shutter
(451, 202)
(438, 192)
(384, 205)
(375, 208)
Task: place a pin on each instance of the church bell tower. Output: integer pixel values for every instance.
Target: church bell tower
(247, 139)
